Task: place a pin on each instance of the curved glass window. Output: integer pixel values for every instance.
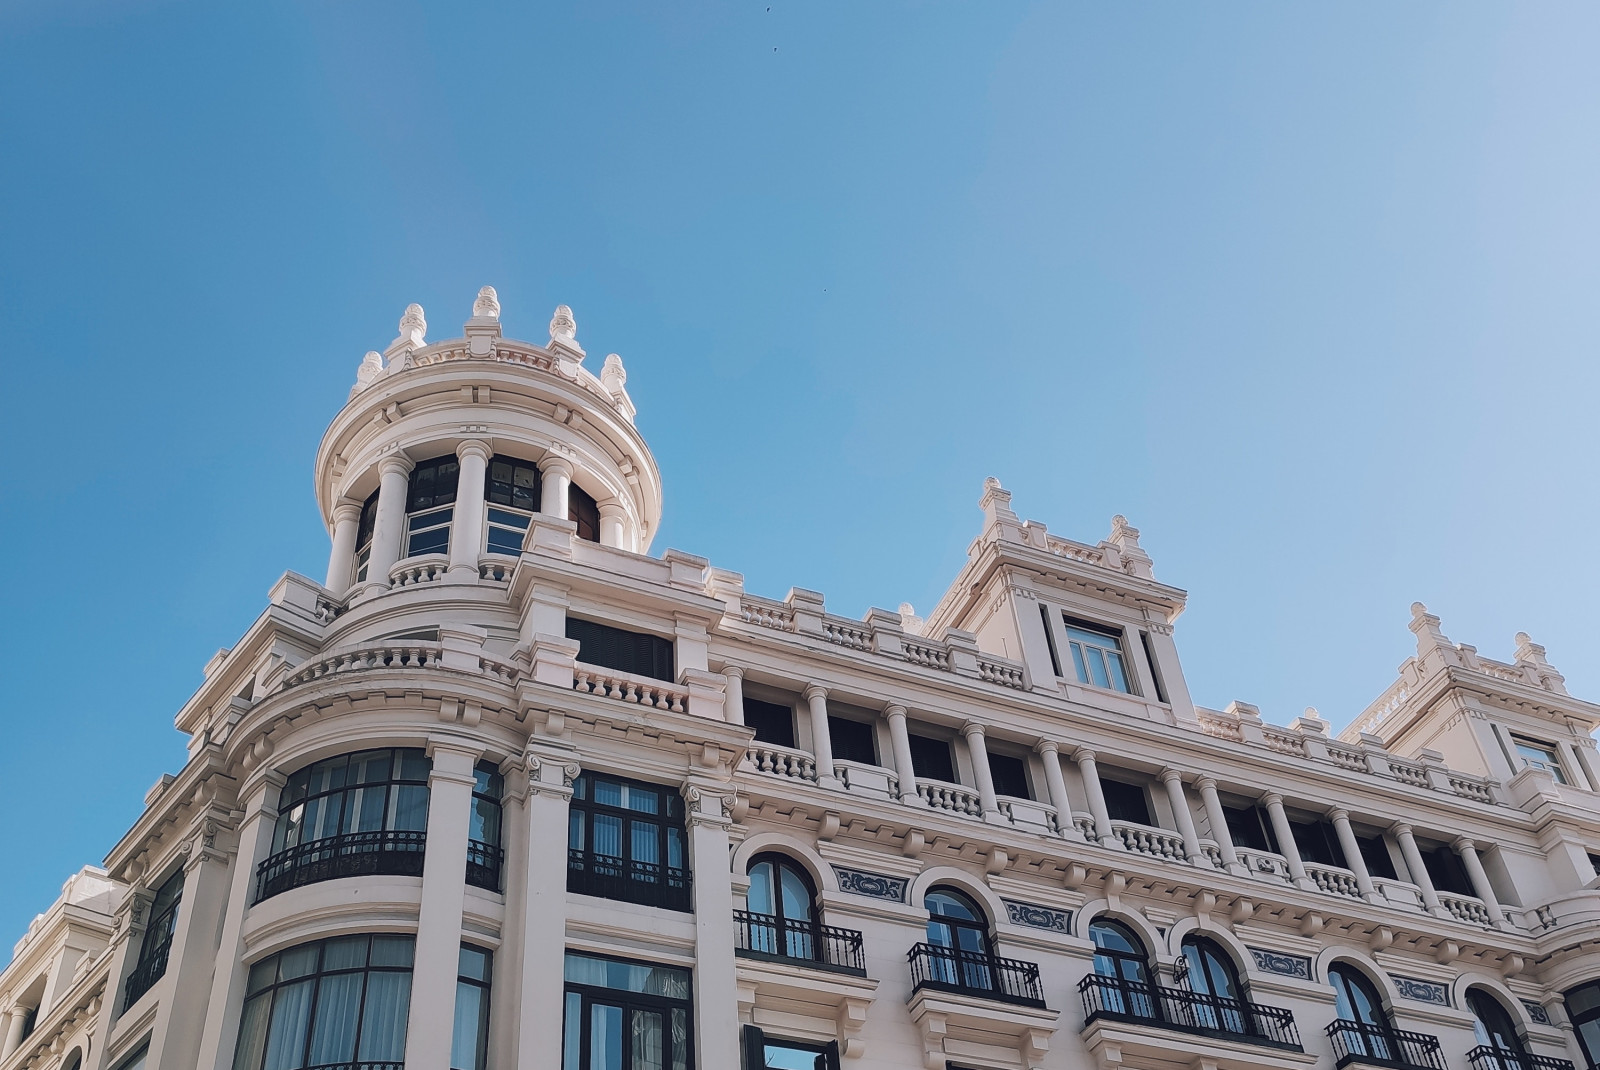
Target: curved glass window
(780, 906)
(511, 489)
(1119, 956)
(1496, 1032)
(355, 814)
(1210, 972)
(583, 511)
(364, 529)
(484, 851)
(430, 503)
(1363, 1024)
(1583, 1007)
(958, 930)
(335, 1003)
(625, 840)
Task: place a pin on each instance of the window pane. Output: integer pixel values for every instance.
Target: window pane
(605, 1037)
(383, 1023)
(608, 793)
(643, 800)
(393, 950)
(608, 835)
(471, 1027)
(646, 1040)
(252, 1033)
(346, 953)
(646, 842)
(575, 831)
(680, 1039)
(333, 1040)
(410, 808)
(1097, 666)
(1119, 679)
(286, 1037)
(297, 962)
(1077, 662)
(474, 963)
(572, 1033)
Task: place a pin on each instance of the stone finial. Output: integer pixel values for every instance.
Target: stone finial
(1434, 648)
(413, 327)
(487, 306)
(562, 326)
(371, 367)
(909, 621)
(1125, 537)
(996, 504)
(614, 376)
(1532, 655)
(1311, 721)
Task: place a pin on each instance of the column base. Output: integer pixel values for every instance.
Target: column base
(461, 574)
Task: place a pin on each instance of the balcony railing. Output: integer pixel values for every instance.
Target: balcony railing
(631, 881)
(390, 851)
(769, 937)
(1483, 1057)
(973, 973)
(1375, 1045)
(1190, 1012)
(148, 972)
(358, 1066)
(483, 865)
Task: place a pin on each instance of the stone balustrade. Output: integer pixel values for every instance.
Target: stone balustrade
(1465, 908)
(417, 570)
(952, 798)
(1335, 880)
(626, 687)
(365, 658)
(781, 761)
(1145, 840)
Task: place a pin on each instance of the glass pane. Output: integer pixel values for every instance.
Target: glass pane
(393, 950)
(1077, 663)
(297, 962)
(796, 896)
(505, 541)
(333, 1039)
(646, 842)
(759, 898)
(675, 848)
(680, 1039)
(1119, 679)
(605, 1037)
(1097, 667)
(410, 807)
(572, 1033)
(252, 1033)
(262, 974)
(414, 765)
(643, 800)
(286, 1037)
(345, 953)
(474, 963)
(608, 793)
(608, 835)
(365, 811)
(780, 1056)
(485, 826)
(383, 1023)
(575, 838)
(471, 1026)
(646, 1040)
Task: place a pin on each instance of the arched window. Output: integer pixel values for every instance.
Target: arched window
(781, 909)
(1363, 1027)
(1583, 1007)
(358, 813)
(958, 932)
(1122, 965)
(335, 1003)
(1500, 1047)
(1212, 976)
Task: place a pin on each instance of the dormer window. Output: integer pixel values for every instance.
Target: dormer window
(430, 501)
(512, 494)
(369, 520)
(1538, 755)
(1097, 655)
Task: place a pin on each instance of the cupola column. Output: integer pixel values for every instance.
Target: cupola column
(342, 558)
(1415, 867)
(1352, 851)
(555, 475)
(900, 746)
(1480, 880)
(612, 519)
(1284, 833)
(389, 526)
(821, 738)
(466, 523)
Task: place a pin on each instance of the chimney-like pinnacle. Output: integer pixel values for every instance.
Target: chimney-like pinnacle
(413, 330)
(487, 306)
(371, 367)
(563, 327)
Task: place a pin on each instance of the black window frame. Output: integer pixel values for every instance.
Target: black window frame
(364, 529)
(156, 944)
(1250, 827)
(486, 828)
(1009, 771)
(431, 506)
(1375, 853)
(773, 721)
(1446, 870)
(754, 1049)
(924, 764)
(482, 984)
(621, 650)
(1580, 1018)
(848, 749)
(622, 877)
(1119, 800)
(629, 1001)
(1318, 843)
(583, 511)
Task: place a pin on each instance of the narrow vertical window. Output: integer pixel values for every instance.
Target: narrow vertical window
(484, 851)
(430, 503)
(157, 944)
(469, 1044)
(364, 528)
(1050, 638)
(1155, 669)
(511, 492)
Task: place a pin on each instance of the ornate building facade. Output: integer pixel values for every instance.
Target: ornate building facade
(503, 791)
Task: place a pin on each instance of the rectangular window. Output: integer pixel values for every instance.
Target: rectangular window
(1249, 828)
(625, 1016)
(1445, 869)
(624, 651)
(1097, 656)
(773, 723)
(512, 483)
(1375, 853)
(1318, 843)
(1010, 775)
(931, 758)
(625, 840)
(507, 531)
(364, 529)
(430, 498)
(429, 533)
(1538, 755)
(852, 741)
(1126, 802)
(762, 1052)
(469, 1045)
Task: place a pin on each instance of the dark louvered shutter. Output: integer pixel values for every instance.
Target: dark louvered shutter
(624, 651)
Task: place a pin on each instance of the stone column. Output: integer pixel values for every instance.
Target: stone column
(555, 476)
(716, 988)
(1284, 834)
(1049, 752)
(821, 739)
(1219, 823)
(733, 694)
(541, 881)
(342, 558)
(444, 884)
(219, 1031)
(1468, 851)
(900, 746)
(174, 1041)
(1352, 851)
(612, 516)
(1097, 798)
(132, 916)
(1183, 815)
(1415, 867)
(18, 1017)
(978, 751)
(389, 526)
(466, 522)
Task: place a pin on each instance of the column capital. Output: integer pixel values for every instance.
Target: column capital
(555, 462)
(611, 509)
(1462, 844)
(1338, 814)
(735, 672)
(972, 728)
(1400, 829)
(474, 447)
(1083, 754)
(1047, 748)
(1206, 782)
(396, 464)
(346, 511)
(1169, 774)
(813, 692)
(1271, 799)
(894, 710)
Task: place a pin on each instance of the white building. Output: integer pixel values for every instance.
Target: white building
(506, 792)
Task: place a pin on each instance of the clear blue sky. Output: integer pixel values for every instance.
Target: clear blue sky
(1309, 292)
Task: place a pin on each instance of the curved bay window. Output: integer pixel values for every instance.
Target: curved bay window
(1121, 970)
(511, 491)
(364, 529)
(583, 511)
(157, 943)
(355, 814)
(1211, 975)
(430, 503)
(625, 840)
(485, 854)
(1500, 1046)
(337, 1004)
(1583, 1008)
(625, 1016)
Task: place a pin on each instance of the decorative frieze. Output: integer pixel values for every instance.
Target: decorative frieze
(1038, 917)
(1415, 988)
(1536, 1012)
(872, 885)
(1281, 963)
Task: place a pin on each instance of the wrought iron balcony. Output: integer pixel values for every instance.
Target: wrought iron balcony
(767, 937)
(973, 973)
(483, 865)
(1484, 1057)
(631, 881)
(1116, 999)
(152, 967)
(1374, 1045)
(390, 851)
